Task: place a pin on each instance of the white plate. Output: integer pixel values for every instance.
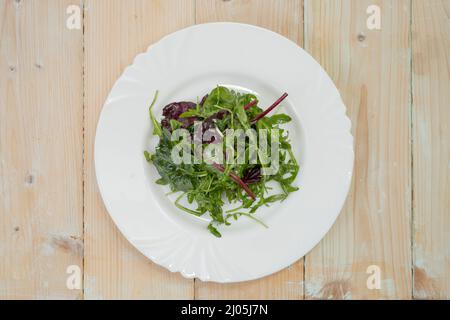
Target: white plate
(186, 65)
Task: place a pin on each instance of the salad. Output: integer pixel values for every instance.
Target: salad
(223, 149)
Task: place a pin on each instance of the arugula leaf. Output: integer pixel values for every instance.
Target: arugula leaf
(147, 156)
(270, 199)
(162, 181)
(214, 231)
(241, 114)
(192, 113)
(174, 124)
(156, 126)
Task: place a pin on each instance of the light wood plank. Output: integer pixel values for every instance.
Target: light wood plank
(286, 18)
(372, 71)
(115, 32)
(431, 157)
(40, 150)
(282, 16)
(285, 284)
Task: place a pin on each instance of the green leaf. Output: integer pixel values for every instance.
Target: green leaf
(191, 113)
(214, 231)
(278, 119)
(241, 114)
(161, 181)
(156, 127)
(266, 201)
(254, 218)
(147, 156)
(182, 183)
(174, 124)
(179, 206)
(275, 198)
(220, 96)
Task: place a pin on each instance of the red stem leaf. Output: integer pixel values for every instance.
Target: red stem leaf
(236, 179)
(251, 104)
(263, 114)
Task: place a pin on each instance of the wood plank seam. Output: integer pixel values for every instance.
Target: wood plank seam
(411, 137)
(84, 140)
(303, 47)
(338, 60)
(40, 207)
(113, 268)
(431, 131)
(195, 22)
(284, 17)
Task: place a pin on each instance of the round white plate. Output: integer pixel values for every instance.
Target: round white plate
(186, 65)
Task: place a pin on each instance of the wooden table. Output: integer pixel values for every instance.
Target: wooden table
(54, 78)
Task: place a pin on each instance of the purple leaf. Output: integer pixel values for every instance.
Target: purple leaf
(252, 175)
(173, 111)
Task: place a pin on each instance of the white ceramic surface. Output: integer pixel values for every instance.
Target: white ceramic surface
(184, 66)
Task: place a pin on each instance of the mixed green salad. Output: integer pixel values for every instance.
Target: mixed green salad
(208, 185)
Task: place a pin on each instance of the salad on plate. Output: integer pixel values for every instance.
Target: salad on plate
(223, 155)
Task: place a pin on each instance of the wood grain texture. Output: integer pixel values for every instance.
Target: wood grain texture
(40, 150)
(115, 32)
(283, 16)
(286, 18)
(372, 71)
(431, 150)
(48, 73)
